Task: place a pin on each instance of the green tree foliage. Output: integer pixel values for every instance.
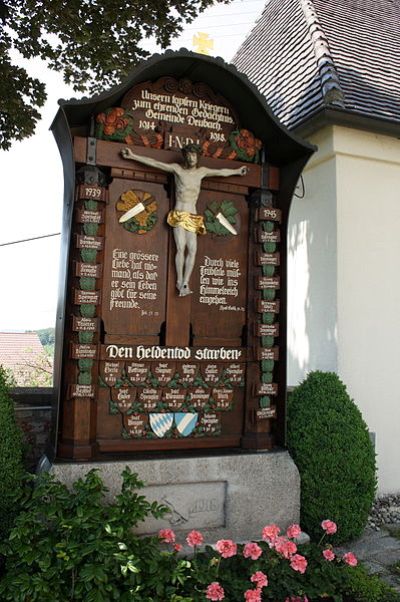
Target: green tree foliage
(330, 444)
(11, 456)
(92, 43)
(46, 336)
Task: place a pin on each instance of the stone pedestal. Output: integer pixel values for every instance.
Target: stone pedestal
(225, 496)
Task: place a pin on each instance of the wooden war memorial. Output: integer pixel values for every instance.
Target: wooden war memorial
(171, 326)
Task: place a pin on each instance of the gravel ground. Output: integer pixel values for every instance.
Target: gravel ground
(385, 511)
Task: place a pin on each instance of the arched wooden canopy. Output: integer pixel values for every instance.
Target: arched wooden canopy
(282, 149)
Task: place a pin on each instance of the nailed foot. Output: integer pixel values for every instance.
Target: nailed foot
(184, 290)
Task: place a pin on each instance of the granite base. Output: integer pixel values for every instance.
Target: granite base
(223, 496)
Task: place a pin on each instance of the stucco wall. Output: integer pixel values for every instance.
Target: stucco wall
(368, 210)
(312, 267)
(357, 175)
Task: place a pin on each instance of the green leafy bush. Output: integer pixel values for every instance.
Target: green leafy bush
(362, 587)
(330, 445)
(72, 545)
(11, 456)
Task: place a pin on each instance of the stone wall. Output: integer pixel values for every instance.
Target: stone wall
(33, 414)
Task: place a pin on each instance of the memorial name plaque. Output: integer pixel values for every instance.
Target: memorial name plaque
(188, 373)
(210, 424)
(174, 398)
(223, 398)
(89, 242)
(136, 425)
(85, 216)
(124, 397)
(137, 373)
(268, 353)
(88, 270)
(263, 237)
(163, 371)
(267, 330)
(80, 352)
(212, 373)
(110, 372)
(82, 391)
(267, 306)
(150, 398)
(267, 389)
(199, 398)
(235, 373)
(90, 297)
(266, 413)
(174, 301)
(268, 259)
(84, 324)
(263, 282)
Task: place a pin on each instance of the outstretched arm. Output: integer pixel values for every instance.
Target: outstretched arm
(128, 154)
(225, 173)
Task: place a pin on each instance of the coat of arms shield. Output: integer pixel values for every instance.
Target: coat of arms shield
(161, 423)
(185, 422)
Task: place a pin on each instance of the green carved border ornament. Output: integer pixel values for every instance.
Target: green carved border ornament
(228, 210)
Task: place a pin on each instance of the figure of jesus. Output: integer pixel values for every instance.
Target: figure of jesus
(183, 218)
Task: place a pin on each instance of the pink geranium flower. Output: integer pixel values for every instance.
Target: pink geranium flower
(298, 563)
(260, 579)
(329, 527)
(177, 547)
(350, 559)
(252, 550)
(194, 538)
(328, 555)
(296, 599)
(270, 532)
(285, 547)
(226, 547)
(166, 535)
(215, 591)
(293, 531)
(252, 595)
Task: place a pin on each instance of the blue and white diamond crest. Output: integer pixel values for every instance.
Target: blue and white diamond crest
(161, 423)
(185, 422)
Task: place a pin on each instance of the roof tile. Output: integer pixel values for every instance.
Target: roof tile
(304, 55)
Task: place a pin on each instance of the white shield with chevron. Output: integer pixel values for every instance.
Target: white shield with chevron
(185, 422)
(161, 423)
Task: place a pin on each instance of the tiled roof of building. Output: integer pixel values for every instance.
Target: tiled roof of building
(19, 348)
(309, 55)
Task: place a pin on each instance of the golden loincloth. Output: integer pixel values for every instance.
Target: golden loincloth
(188, 221)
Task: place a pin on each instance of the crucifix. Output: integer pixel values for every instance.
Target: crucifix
(183, 218)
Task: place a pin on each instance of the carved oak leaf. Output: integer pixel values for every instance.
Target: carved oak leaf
(128, 200)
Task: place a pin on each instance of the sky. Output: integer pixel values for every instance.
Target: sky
(31, 183)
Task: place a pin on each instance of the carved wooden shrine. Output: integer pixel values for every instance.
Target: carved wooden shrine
(140, 367)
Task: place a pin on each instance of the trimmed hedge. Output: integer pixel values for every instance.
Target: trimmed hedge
(11, 456)
(329, 442)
